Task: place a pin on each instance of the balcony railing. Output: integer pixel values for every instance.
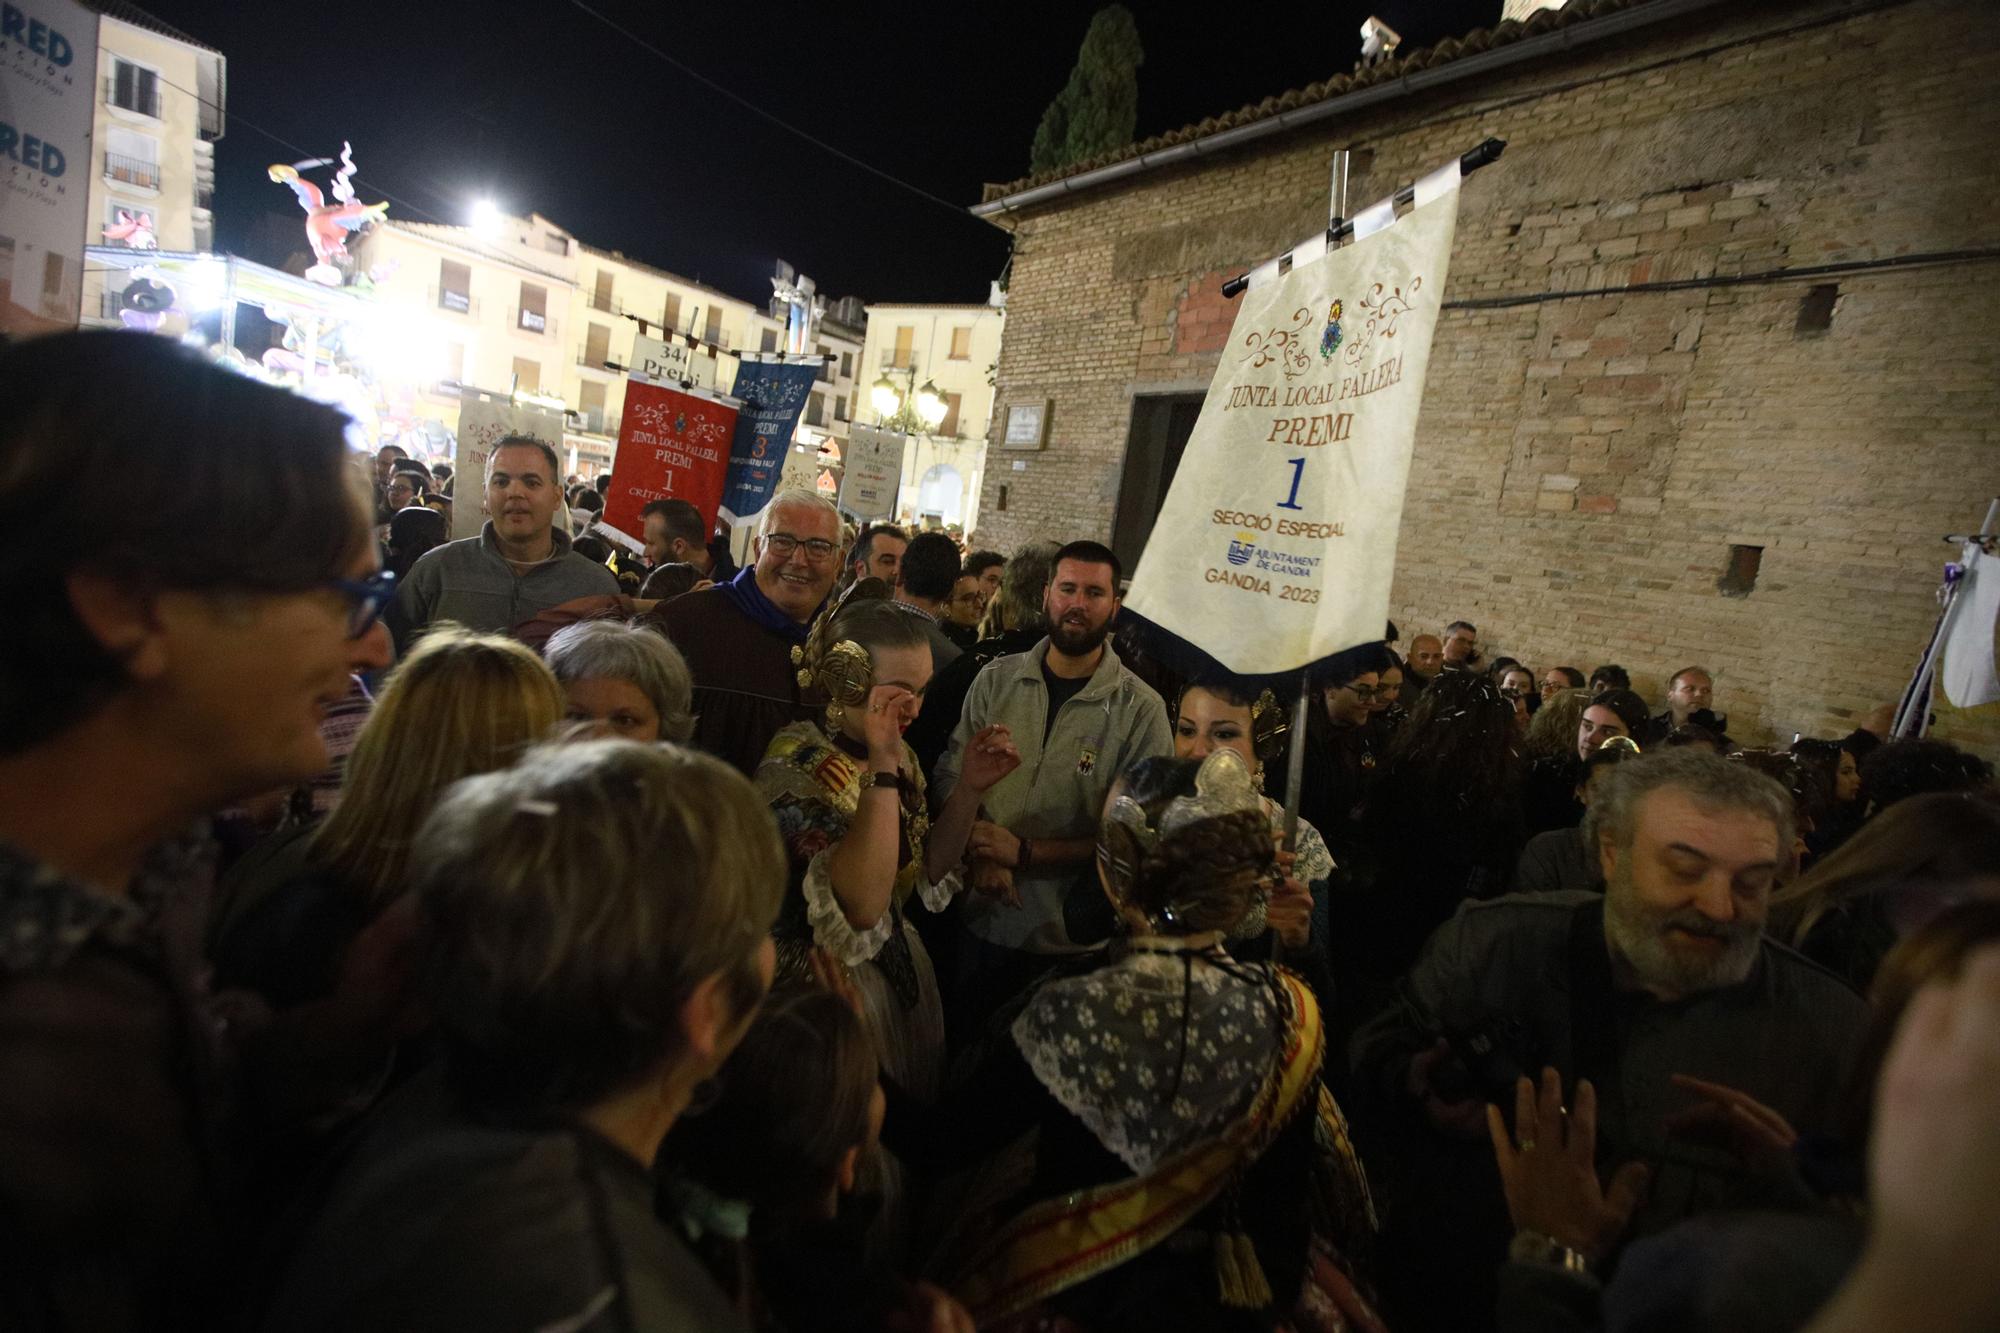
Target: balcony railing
(592, 421)
(704, 333)
(899, 358)
(132, 170)
(604, 301)
(533, 321)
(450, 298)
(589, 362)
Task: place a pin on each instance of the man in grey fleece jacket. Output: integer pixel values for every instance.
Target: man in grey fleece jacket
(518, 565)
(1080, 719)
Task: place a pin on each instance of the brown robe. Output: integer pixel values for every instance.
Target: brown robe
(745, 686)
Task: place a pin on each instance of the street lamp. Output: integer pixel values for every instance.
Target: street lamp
(486, 218)
(888, 399)
(912, 412)
(931, 405)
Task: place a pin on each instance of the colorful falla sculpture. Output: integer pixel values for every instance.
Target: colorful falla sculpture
(327, 224)
(135, 230)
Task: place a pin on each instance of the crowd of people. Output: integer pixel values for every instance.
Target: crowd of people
(518, 933)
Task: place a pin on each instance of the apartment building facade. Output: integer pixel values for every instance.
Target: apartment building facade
(954, 347)
(158, 116)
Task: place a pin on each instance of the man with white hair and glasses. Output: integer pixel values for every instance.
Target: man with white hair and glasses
(738, 636)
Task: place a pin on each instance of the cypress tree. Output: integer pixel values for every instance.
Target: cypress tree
(1098, 109)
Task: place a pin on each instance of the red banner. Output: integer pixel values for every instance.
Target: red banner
(671, 445)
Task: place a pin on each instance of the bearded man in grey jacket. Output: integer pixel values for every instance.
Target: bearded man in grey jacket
(1081, 718)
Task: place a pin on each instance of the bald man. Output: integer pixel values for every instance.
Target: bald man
(1426, 660)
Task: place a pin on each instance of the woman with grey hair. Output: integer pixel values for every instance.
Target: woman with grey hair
(625, 682)
(580, 997)
(1018, 605)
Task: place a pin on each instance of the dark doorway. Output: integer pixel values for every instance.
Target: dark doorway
(1161, 425)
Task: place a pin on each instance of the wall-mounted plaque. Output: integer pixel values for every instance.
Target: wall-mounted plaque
(1027, 425)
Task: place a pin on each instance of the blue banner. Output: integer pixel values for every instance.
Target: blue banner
(773, 394)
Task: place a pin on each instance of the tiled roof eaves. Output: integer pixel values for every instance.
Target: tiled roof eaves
(658, 272)
(139, 18)
(873, 306)
(1443, 53)
(455, 238)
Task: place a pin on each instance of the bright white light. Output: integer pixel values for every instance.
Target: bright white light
(203, 285)
(887, 401)
(931, 405)
(487, 218)
(397, 349)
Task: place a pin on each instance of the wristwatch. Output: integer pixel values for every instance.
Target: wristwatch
(1535, 1247)
(892, 781)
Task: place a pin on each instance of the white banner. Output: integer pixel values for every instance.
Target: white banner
(1968, 673)
(48, 88)
(872, 473)
(482, 421)
(1277, 542)
(671, 363)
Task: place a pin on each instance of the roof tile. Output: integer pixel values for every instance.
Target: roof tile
(1441, 53)
(139, 18)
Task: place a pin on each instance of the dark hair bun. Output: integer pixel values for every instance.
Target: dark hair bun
(1203, 877)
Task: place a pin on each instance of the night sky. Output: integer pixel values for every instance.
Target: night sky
(545, 109)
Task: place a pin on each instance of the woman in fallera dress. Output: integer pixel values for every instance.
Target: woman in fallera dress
(1152, 1142)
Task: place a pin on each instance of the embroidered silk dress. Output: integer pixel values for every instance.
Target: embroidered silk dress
(813, 785)
(1151, 1147)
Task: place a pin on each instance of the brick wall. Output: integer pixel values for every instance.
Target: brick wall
(1583, 465)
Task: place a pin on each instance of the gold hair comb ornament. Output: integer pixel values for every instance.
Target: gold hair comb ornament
(845, 674)
(1268, 725)
(1222, 786)
(842, 670)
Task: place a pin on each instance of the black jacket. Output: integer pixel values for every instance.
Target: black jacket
(445, 1219)
(1533, 974)
(1548, 798)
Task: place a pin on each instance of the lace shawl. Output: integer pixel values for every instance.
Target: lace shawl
(1108, 1047)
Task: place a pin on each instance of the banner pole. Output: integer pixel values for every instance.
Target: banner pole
(1295, 764)
(1913, 717)
(1468, 162)
(1295, 760)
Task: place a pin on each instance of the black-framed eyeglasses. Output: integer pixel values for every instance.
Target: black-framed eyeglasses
(1365, 692)
(366, 598)
(782, 544)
